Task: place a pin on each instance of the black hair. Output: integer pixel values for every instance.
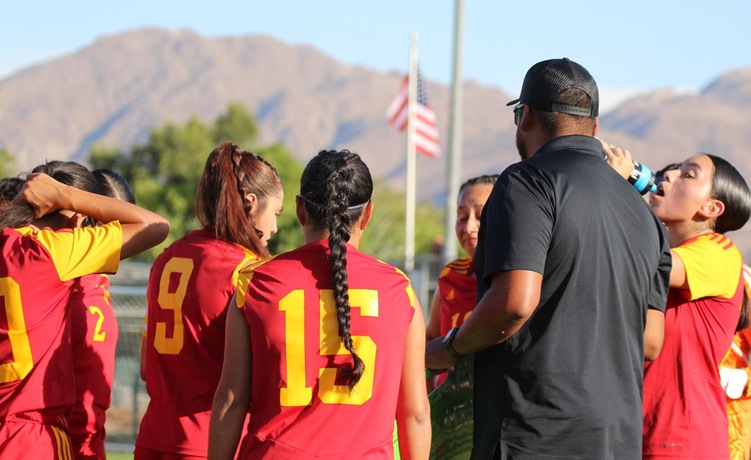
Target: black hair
(745, 319)
(9, 188)
(660, 174)
(553, 122)
(729, 187)
(21, 214)
(335, 188)
(113, 185)
(485, 179)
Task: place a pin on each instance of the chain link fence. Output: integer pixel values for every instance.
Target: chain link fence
(129, 398)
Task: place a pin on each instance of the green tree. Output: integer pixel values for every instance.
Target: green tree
(7, 163)
(237, 125)
(385, 236)
(289, 234)
(165, 171)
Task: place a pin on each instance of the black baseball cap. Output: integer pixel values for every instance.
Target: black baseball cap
(547, 79)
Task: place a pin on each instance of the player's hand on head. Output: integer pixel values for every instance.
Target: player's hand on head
(43, 193)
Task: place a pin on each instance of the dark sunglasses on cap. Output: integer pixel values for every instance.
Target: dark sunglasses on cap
(518, 113)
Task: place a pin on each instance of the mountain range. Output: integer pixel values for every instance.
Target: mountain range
(114, 90)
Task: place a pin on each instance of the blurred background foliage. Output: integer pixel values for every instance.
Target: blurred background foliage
(164, 173)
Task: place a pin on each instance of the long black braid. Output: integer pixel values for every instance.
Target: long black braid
(336, 186)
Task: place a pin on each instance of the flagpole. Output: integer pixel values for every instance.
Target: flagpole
(454, 157)
(409, 229)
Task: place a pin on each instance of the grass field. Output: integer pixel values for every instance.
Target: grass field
(119, 455)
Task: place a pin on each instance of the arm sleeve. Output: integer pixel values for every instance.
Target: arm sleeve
(519, 222)
(242, 281)
(658, 295)
(713, 267)
(82, 251)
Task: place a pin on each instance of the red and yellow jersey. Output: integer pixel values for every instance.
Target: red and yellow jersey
(684, 403)
(301, 407)
(37, 270)
(739, 354)
(457, 293)
(739, 408)
(94, 338)
(189, 288)
(722, 279)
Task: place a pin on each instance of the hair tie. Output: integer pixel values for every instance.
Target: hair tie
(349, 208)
(309, 202)
(358, 206)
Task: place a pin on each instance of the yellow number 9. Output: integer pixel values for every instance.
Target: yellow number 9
(172, 301)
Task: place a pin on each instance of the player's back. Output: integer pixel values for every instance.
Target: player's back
(190, 285)
(36, 272)
(94, 335)
(301, 405)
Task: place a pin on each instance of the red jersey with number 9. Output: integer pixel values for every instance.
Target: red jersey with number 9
(37, 270)
(301, 405)
(190, 285)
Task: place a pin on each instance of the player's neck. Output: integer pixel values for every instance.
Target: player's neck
(311, 236)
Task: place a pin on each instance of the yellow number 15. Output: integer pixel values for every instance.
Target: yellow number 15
(296, 392)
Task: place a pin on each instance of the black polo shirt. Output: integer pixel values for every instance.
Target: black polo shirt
(569, 383)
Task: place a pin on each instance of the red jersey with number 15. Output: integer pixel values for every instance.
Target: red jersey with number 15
(301, 407)
(190, 285)
(37, 270)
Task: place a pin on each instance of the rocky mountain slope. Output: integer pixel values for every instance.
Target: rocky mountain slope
(114, 90)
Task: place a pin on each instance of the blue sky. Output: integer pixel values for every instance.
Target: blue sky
(628, 46)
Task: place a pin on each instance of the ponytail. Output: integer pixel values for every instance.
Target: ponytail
(744, 320)
(229, 176)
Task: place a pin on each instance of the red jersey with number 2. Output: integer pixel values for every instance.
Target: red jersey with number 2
(94, 337)
(36, 278)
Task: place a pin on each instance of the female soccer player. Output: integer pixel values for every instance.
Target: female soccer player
(326, 342)
(238, 200)
(94, 335)
(734, 377)
(43, 251)
(453, 302)
(684, 402)
(455, 297)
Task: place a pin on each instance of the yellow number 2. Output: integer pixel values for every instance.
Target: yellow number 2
(296, 392)
(99, 334)
(167, 300)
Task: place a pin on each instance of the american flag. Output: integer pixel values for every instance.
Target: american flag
(426, 139)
